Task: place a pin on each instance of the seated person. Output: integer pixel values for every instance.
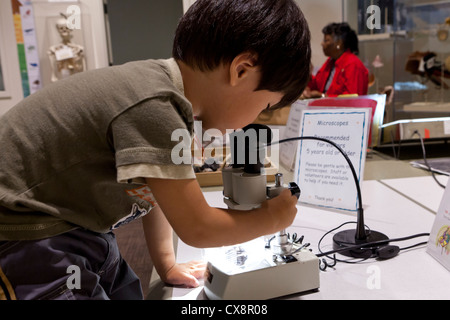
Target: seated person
(343, 72)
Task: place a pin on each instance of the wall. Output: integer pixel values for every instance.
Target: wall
(319, 13)
(143, 30)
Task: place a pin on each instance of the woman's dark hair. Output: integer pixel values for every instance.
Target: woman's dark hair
(343, 32)
(214, 32)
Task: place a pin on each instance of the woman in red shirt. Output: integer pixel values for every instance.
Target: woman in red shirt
(343, 72)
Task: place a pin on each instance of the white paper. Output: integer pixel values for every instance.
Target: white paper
(447, 127)
(288, 150)
(321, 171)
(64, 53)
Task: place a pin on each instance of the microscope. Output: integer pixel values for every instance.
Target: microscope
(265, 268)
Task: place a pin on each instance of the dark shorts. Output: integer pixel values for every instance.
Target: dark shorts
(78, 265)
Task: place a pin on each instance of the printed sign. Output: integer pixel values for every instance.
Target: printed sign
(321, 170)
(288, 149)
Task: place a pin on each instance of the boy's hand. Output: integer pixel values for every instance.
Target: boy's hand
(282, 209)
(185, 274)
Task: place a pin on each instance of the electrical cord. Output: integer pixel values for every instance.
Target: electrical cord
(425, 158)
(326, 254)
(360, 233)
(366, 247)
(352, 168)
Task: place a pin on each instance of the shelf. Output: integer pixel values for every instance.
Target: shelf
(381, 36)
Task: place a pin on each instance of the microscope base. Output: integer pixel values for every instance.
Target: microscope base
(277, 279)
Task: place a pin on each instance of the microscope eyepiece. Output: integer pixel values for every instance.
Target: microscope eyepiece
(248, 147)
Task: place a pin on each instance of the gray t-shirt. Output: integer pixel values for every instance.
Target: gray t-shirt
(74, 153)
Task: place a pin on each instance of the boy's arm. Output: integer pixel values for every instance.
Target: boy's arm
(159, 239)
(199, 225)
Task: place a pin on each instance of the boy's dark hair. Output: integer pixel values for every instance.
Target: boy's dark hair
(213, 32)
(343, 32)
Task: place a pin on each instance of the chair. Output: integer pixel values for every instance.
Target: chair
(375, 102)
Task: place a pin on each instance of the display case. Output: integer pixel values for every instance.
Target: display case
(70, 37)
(405, 44)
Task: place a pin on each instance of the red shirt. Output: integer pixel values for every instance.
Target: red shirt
(351, 76)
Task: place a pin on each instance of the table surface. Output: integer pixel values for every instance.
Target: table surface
(398, 207)
(424, 191)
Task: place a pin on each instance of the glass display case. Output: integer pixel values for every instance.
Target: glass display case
(70, 37)
(405, 44)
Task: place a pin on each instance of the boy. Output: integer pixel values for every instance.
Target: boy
(89, 153)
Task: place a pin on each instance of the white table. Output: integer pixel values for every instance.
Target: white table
(422, 190)
(412, 275)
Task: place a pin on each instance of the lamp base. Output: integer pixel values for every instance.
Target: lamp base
(346, 238)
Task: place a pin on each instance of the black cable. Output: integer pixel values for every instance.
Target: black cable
(425, 158)
(370, 245)
(326, 254)
(360, 233)
(377, 243)
(415, 245)
(355, 176)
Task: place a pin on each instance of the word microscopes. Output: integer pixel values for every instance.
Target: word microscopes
(260, 269)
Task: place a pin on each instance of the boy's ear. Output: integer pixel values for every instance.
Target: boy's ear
(242, 66)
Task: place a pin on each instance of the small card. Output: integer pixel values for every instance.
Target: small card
(64, 53)
(321, 171)
(439, 242)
